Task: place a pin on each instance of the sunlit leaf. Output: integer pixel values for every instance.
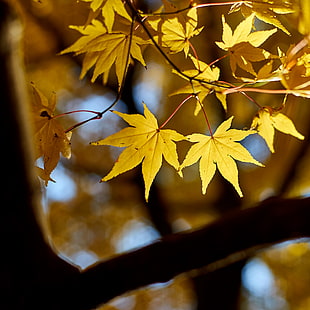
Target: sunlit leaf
(265, 10)
(265, 74)
(202, 84)
(219, 151)
(266, 121)
(242, 44)
(145, 143)
(109, 9)
(176, 34)
(103, 49)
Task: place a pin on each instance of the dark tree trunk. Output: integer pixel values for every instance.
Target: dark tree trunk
(26, 259)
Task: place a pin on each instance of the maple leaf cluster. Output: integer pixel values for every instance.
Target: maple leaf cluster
(103, 49)
(116, 34)
(147, 143)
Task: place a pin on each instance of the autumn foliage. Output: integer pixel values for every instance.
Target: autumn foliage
(116, 35)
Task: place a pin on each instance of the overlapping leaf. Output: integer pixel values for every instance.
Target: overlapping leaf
(145, 143)
(265, 10)
(50, 138)
(201, 79)
(108, 8)
(242, 44)
(265, 74)
(295, 75)
(176, 35)
(219, 151)
(103, 49)
(176, 31)
(266, 121)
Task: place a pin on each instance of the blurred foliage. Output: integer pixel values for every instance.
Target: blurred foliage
(89, 221)
(289, 265)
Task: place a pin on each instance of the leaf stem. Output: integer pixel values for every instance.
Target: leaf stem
(197, 6)
(176, 110)
(195, 54)
(205, 115)
(195, 94)
(98, 116)
(243, 93)
(204, 5)
(218, 59)
(75, 111)
(264, 91)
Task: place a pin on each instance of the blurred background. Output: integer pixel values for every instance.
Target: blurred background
(88, 221)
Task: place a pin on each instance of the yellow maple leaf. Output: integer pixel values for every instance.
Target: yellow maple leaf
(219, 151)
(50, 138)
(202, 72)
(108, 10)
(176, 34)
(201, 82)
(95, 4)
(265, 74)
(266, 121)
(145, 142)
(242, 44)
(265, 10)
(103, 49)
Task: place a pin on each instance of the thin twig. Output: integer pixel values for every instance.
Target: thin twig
(266, 91)
(191, 6)
(176, 110)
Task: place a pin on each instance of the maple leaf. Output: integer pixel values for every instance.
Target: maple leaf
(108, 10)
(103, 49)
(219, 151)
(242, 44)
(201, 78)
(265, 10)
(50, 138)
(265, 74)
(145, 142)
(95, 4)
(202, 71)
(176, 35)
(266, 121)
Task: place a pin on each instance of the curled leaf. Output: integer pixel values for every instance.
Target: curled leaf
(266, 121)
(266, 10)
(50, 138)
(242, 45)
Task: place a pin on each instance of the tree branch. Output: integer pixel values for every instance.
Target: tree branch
(225, 241)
